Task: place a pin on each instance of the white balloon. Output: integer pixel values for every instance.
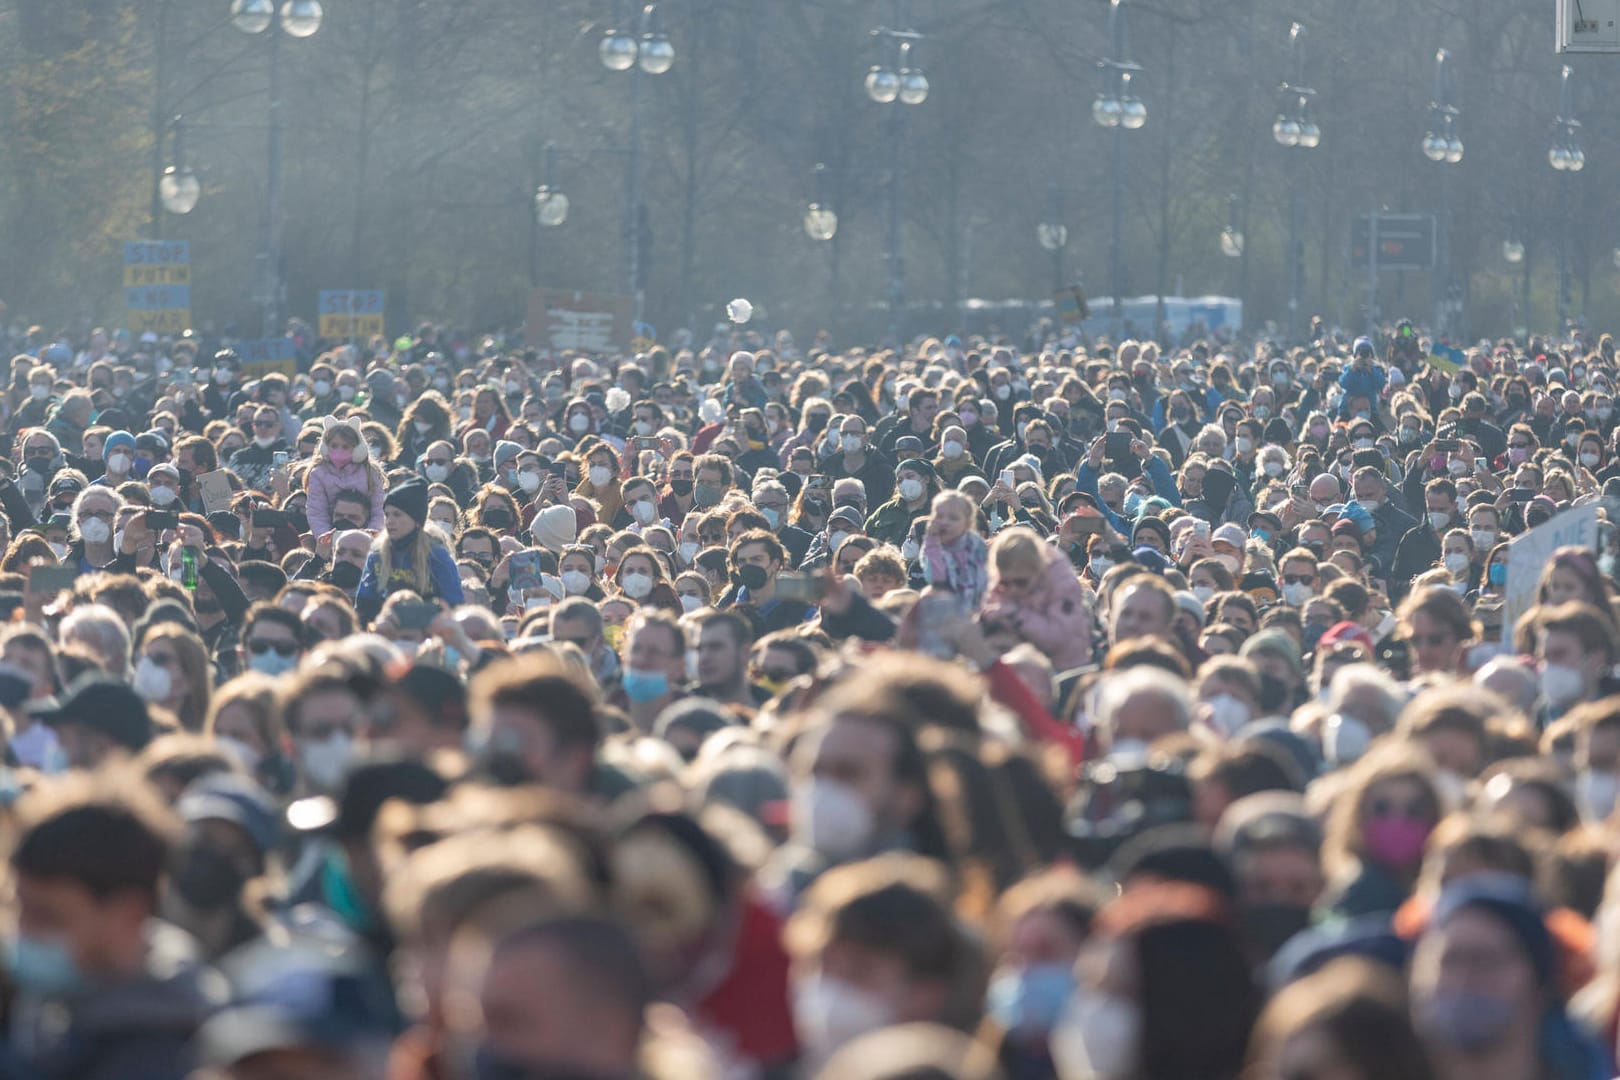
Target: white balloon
(740, 310)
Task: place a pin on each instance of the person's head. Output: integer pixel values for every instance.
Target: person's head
(1142, 606)
(1165, 989)
(1018, 562)
(322, 711)
(1572, 575)
(654, 655)
(173, 669)
(1347, 1021)
(554, 979)
(1482, 974)
(878, 934)
(1439, 628)
(1389, 806)
(1576, 647)
(537, 721)
(1137, 707)
(273, 639)
(245, 722)
(757, 556)
(88, 862)
(953, 516)
(723, 642)
(578, 622)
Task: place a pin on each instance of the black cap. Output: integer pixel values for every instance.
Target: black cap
(103, 705)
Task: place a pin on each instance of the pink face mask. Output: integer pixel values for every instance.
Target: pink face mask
(340, 458)
(1396, 842)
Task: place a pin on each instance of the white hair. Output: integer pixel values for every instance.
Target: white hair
(1372, 681)
(1115, 691)
(100, 629)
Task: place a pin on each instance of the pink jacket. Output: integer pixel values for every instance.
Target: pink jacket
(326, 481)
(1056, 618)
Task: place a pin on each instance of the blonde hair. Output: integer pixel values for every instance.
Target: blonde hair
(969, 507)
(1018, 546)
(421, 551)
(194, 663)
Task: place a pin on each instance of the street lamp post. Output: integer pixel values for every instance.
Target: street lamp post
(1232, 235)
(650, 54)
(1117, 107)
(1566, 156)
(178, 187)
(1516, 255)
(550, 208)
(821, 225)
(1053, 235)
(896, 80)
(1442, 145)
(1295, 129)
(299, 19)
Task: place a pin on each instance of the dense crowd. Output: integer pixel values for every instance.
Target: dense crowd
(444, 709)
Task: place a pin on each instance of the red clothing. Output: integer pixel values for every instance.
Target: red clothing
(1011, 692)
(750, 1009)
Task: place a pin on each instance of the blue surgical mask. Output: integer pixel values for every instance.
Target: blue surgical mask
(1262, 535)
(1497, 575)
(43, 967)
(644, 686)
(1030, 1001)
(772, 515)
(272, 663)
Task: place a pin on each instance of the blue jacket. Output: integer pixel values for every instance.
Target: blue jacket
(444, 578)
(1164, 486)
(1358, 383)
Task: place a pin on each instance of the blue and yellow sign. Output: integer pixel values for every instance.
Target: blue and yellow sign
(157, 285)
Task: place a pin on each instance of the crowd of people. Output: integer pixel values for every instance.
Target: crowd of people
(1033, 709)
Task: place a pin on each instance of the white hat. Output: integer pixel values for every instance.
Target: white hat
(555, 527)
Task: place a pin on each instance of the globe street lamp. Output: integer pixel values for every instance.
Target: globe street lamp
(651, 54)
(1295, 129)
(178, 187)
(896, 79)
(1118, 108)
(297, 19)
(820, 219)
(1232, 235)
(1053, 235)
(1442, 145)
(1565, 156)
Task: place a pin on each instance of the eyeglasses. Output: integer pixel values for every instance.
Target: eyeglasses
(1298, 579)
(260, 646)
(266, 423)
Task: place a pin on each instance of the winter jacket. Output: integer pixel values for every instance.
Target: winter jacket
(1054, 618)
(326, 482)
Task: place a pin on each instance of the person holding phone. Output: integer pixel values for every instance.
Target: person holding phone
(409, 557)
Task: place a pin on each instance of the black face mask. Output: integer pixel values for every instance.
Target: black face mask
(751, 577)
(344, 575)
(345, 523)
(682, 488)
(260, 554)
(497, 518)
(207, 879)
(815, 422)
(503, 768)
(1269, 926)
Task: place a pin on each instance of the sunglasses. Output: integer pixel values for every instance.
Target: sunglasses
(280, 648)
